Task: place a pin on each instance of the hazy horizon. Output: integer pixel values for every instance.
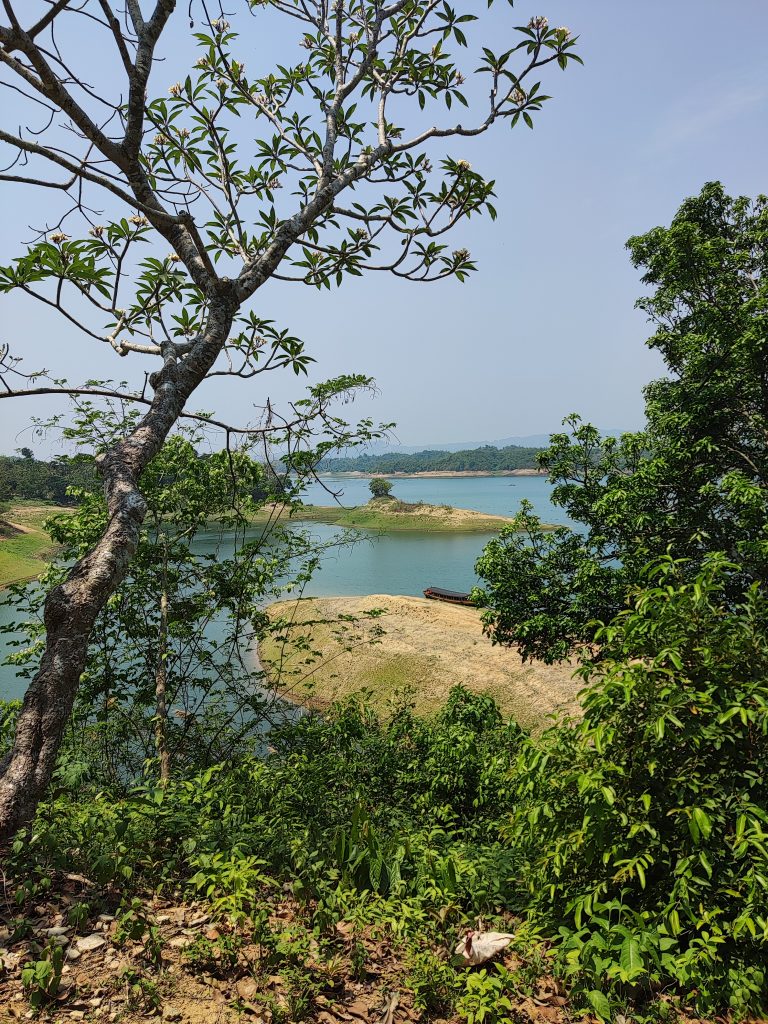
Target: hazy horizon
(667, 100)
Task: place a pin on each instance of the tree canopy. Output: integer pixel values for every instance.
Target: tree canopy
(695, 481)
(487, 459)
(380, 488)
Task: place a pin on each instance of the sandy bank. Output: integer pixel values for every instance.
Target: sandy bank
(426, 645)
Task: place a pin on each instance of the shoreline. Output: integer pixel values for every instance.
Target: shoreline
(25, 547)
(433, 473)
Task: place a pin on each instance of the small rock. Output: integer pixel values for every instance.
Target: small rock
(169, 1013)
(77, 1014)
(90, 942)
(246, 988)
(73, 954)
(105, 917)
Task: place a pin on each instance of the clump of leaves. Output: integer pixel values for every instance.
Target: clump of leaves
(642, 830)
(135, 924)
(213, 956)
(41, 978)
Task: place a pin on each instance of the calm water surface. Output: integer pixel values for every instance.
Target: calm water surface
(395, 563)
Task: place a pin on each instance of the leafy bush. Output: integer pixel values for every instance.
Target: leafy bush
(379, 487)
(402, 806)
(642, 831)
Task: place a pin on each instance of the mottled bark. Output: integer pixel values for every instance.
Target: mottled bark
(72, 607)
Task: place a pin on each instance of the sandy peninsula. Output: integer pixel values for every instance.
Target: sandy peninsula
(428, 646)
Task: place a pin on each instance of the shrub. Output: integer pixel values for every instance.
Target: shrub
(642, 831)
(379, 487)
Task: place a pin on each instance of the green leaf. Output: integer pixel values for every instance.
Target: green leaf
(631, 958)
(703, 822)
(599, 1003)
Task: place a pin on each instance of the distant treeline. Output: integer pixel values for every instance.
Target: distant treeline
(486, 459)
(23, 477)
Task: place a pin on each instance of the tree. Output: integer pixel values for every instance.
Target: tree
(168, 680)
(695, 481)
(331, 134)
(379, 487)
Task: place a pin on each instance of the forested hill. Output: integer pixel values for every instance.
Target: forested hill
(486, 459)
(24, 477)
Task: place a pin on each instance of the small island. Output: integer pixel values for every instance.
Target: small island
(387, 513)
(391, 515)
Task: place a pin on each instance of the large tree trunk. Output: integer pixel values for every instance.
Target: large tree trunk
(71, 608)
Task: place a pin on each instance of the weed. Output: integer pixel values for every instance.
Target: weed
(78, 915)
(213, 956)
(134, 924)
(41, 978)
(433, 981)
(143, 994)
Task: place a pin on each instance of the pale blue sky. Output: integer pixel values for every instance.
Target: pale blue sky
(673, 93)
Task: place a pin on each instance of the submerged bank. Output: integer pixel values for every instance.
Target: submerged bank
(333, 647)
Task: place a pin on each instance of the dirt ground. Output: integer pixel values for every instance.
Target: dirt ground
(428, 646)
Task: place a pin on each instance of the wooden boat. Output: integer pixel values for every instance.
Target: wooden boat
(452, 596)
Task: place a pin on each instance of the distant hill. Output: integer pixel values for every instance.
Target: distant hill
(485, 459)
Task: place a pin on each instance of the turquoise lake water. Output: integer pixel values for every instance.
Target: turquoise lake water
(396, 563)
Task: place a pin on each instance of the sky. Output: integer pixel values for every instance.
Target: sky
(673, 93)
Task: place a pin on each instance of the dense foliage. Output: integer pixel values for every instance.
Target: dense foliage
(695, 480)
(24, 477)
(486, 459)
(390, 823)
(380, 488)
(642, 830)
